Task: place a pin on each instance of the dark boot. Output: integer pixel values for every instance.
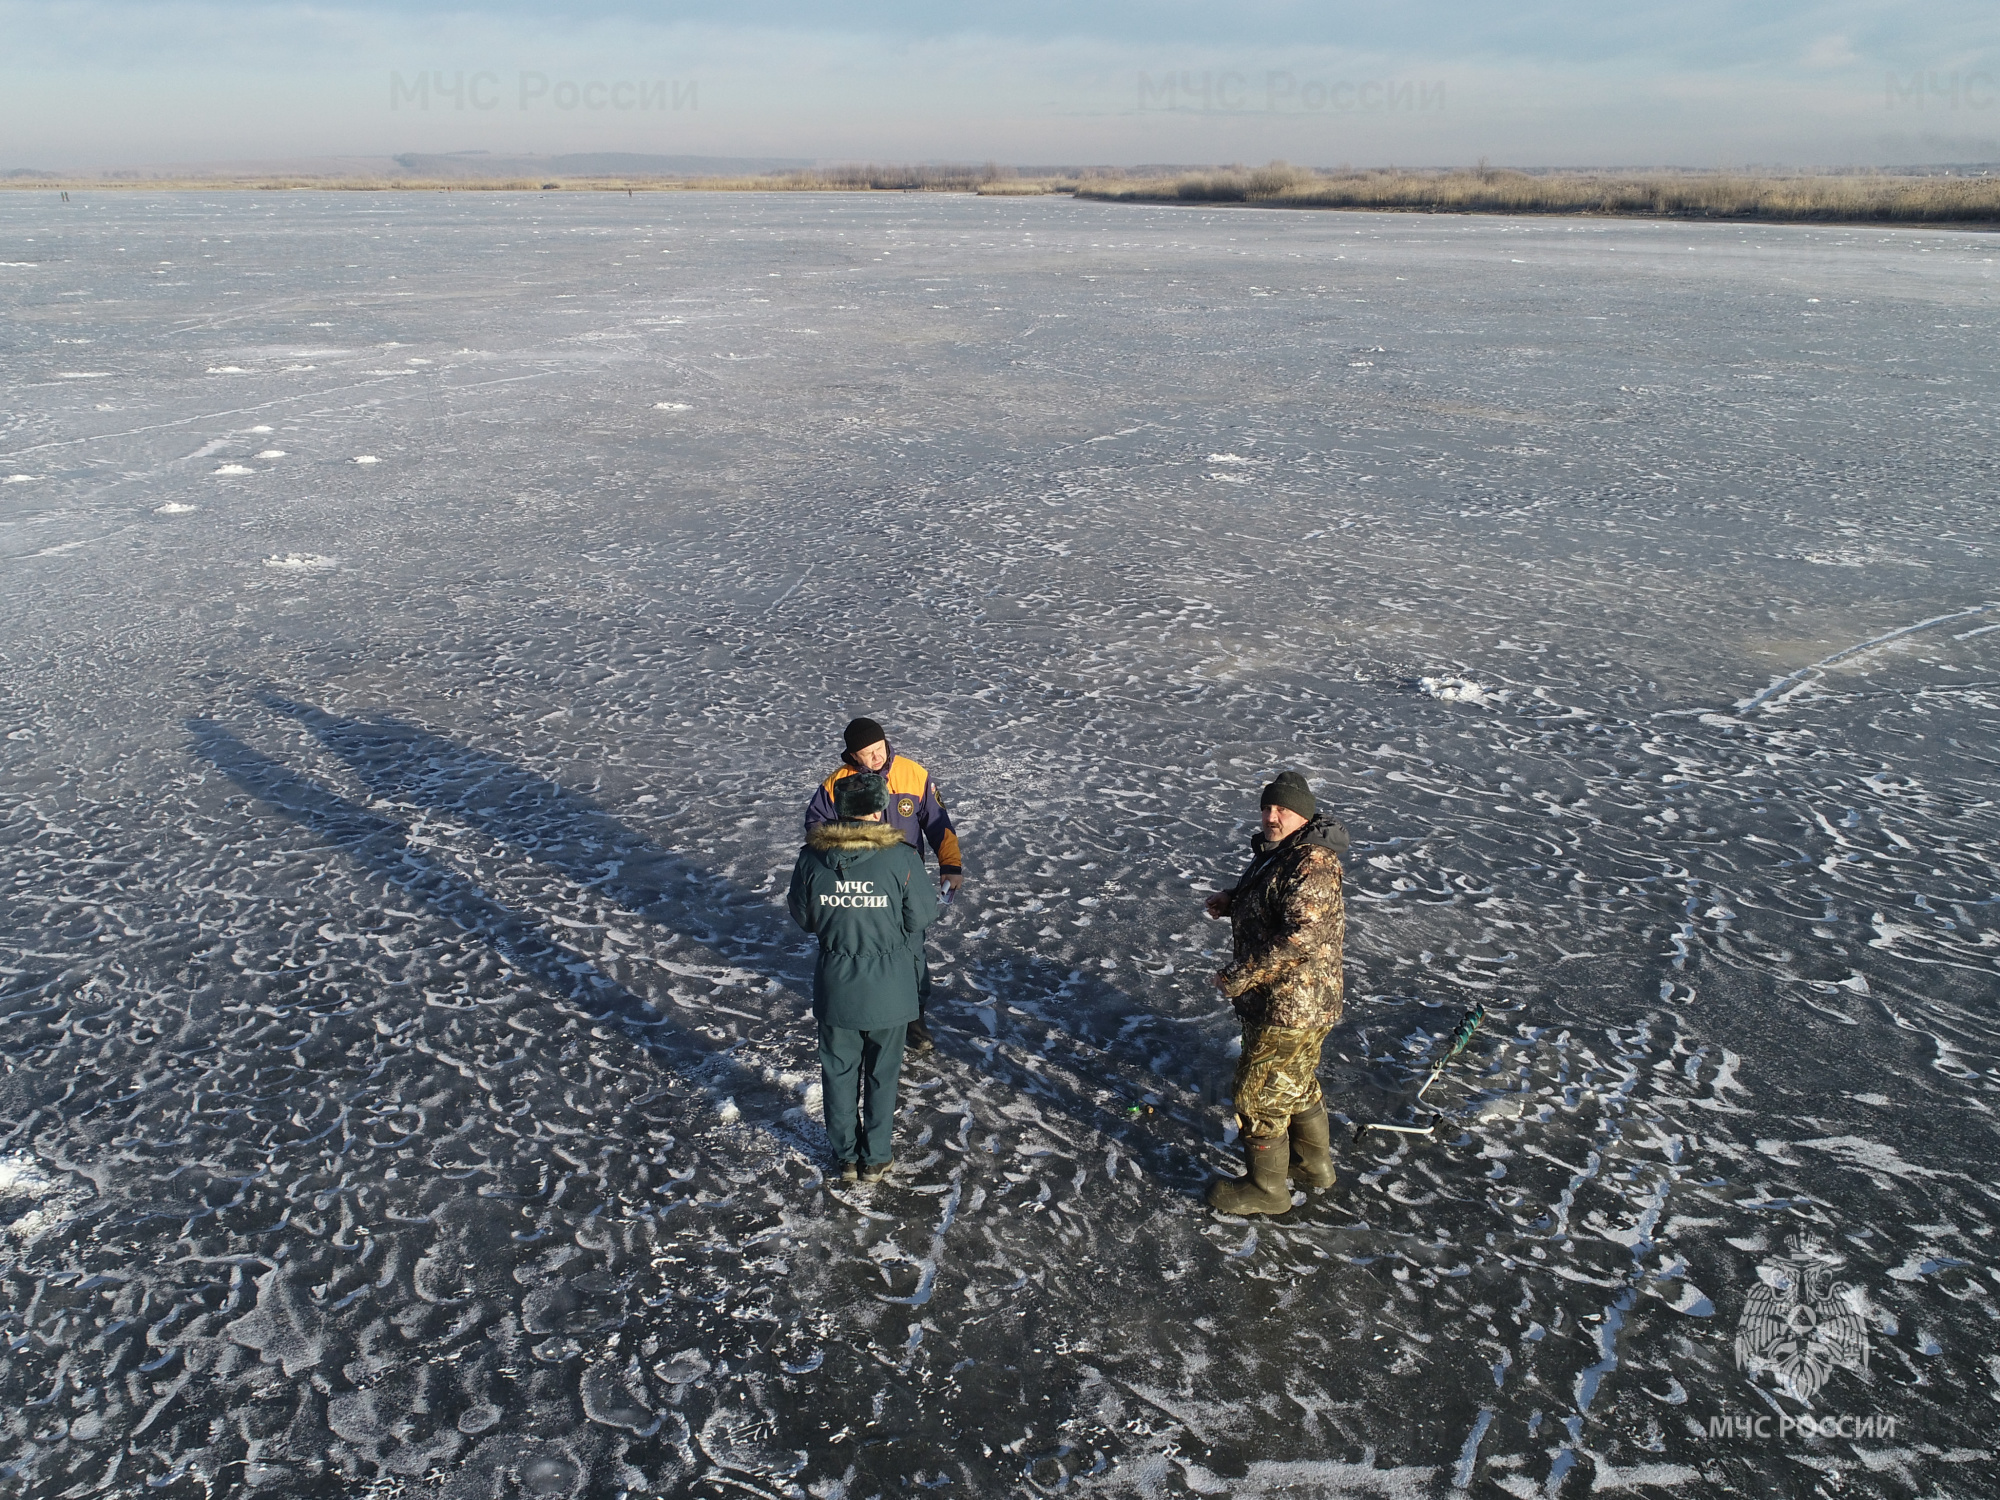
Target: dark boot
(1312, 1149)
(1262, 1189)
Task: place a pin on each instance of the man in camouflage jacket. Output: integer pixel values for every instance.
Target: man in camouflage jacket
(1289, 921)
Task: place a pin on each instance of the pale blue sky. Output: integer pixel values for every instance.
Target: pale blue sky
(110, 82)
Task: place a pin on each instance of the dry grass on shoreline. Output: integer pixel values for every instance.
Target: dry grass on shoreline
(1830, 197)
(1845, 198)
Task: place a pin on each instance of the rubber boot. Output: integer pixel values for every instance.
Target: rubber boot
(1262, 1189)
(1312, 1149)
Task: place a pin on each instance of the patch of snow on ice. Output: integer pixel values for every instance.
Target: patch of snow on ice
(272, 453)
(1227, 458)
(235, 469)
(1924, 1263)
(1463, 690)
(21, 1173)
(672, 406)
(1647, 1475)
(367, 458)
(227, 370)
(172, 508)
(1269, 1477)
(300, 562)
(1874, 1157)
(31, 1201)
(20, 479)
(83, 375)
(1691, 1300)
(1462, 1476)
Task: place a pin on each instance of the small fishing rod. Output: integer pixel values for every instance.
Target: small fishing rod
(1466, 1026)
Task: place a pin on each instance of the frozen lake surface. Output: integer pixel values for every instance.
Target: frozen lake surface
(423, 619)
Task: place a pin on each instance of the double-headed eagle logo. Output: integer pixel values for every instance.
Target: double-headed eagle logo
(1798, 1322)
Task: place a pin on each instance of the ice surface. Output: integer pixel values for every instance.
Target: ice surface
(409, 1082)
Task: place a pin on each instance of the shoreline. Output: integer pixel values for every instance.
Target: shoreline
(1883, 201)
(1856, 198)
(1633, 216)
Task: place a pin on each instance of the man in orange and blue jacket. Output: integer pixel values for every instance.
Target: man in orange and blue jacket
(915, 810)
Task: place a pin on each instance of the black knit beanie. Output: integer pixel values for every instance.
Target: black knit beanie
(1290, 790)
(862, 733)
(858, 796)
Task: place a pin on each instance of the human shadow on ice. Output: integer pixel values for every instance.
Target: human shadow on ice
(523, 939)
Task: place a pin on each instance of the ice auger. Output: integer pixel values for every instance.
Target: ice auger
(1468, 1024)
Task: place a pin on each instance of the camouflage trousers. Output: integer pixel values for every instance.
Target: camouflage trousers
(1277, 1076)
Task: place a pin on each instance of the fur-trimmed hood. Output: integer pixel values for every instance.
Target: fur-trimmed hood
(854, 835)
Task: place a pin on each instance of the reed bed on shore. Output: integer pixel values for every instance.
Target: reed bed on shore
(1842, 197)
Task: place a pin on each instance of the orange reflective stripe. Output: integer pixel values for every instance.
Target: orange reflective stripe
(906, 776)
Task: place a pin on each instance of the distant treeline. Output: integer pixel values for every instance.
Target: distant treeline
(1841, 197)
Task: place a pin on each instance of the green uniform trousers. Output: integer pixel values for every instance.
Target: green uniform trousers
(1277, 1076)
(858, 1072)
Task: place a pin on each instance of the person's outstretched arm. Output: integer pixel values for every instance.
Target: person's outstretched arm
(938, 832)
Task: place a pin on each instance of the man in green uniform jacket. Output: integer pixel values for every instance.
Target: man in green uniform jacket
(861, 890)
